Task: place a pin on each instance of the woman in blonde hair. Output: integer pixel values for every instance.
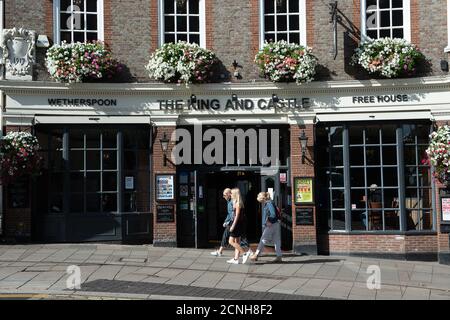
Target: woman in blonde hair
(237, 229)
(271, 225)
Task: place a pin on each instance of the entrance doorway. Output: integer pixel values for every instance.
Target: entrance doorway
(202, 208)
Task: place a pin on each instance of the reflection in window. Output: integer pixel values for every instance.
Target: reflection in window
(79, 20)
(387, 18)
(182, 21)
(90, 180)
(284, 20)
(374, 183)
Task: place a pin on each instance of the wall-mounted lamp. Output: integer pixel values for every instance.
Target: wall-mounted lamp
(234, 97)
(164, 146)
(303, 143)
(236, 72)
(275, 98)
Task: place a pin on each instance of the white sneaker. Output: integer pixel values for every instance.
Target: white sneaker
(216, 254)
(246, 256)
(233, 261)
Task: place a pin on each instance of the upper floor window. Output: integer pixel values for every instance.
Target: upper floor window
(182, 20)
(386, 18)
(283, 20)
(78, 20)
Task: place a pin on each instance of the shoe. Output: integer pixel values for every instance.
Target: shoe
(233, 261)
(254, 257)
(216, 254)
(277, 259)
(246, 256)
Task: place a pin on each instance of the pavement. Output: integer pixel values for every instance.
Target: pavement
(110, 271)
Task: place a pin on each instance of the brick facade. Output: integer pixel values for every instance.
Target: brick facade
(164, 234)
(132, 29)
(304, 237)
(402, 246)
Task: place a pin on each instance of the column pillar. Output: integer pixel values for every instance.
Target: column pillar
(304, 236)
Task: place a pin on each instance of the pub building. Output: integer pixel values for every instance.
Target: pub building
(146, 162)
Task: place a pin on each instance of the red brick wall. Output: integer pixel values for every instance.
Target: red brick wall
(310, 23)
(107, 21)
(395, 244)
(357, 14)
(154, 25)
(415, 22)
(163, 232)
(302, 235)
(49, 18)
(209, 16)
(17, 222)
(254, 27)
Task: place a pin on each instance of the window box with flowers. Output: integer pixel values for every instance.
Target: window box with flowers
(19, 156)
(438, 154)
(81, 62)
(286, 62)
(183, 62)
(388, 58)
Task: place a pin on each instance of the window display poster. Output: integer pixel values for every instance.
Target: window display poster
(165, 187)
(303, 190)
(445, 207)
(129, 183)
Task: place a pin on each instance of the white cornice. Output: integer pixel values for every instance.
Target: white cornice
(250, 88)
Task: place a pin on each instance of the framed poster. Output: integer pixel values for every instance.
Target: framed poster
(165, 187)
(445, 209)
(165, 213)
(304, 190)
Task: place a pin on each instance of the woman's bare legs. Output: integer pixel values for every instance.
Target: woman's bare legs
(235, 242)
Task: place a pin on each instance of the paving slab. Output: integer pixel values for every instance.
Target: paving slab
(314, 287)
(208, 279)
(289, 286)
(416, 294)
(338, 289)
(388, 292)
(186, 277)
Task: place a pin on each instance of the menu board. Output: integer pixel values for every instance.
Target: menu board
(304, 190)
(165, 189)
(18, 194)
(304, 216)
(165, 213)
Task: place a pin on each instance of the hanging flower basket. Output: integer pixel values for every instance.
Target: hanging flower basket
(81, 62)
(19, 156)
(387, 57)
(286, 62)
(438, 154)
(182, 62)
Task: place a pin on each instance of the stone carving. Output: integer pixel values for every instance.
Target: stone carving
(19, 53)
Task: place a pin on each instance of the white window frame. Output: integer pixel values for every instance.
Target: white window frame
(202, 26)
(302, 24)
(57, 21)
(406, 20)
